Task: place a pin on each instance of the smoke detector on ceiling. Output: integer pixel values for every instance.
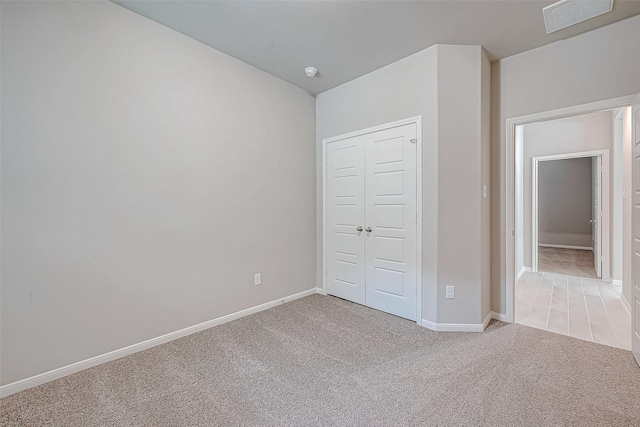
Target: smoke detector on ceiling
(569, 12)
(311, 71)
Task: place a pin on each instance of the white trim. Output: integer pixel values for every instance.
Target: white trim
(626, 304)
(605, 202)
(321, 291)
(582, 248)
(418, 122)
(501, 317)
(464, 327)
(508, 172)
(453, 327)
(521, 272)
(429, 324)
(36, 380)
(397, 123)
(534, 213)
(324, 217)
(486, 320)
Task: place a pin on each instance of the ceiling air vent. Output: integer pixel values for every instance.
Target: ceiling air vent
(569, 12)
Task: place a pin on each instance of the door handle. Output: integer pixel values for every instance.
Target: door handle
(359, 229)
(368, 229)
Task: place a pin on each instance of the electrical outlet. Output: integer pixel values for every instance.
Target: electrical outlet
(451, 292)
(257, 279)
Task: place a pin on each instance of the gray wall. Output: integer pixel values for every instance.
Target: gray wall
(564, 202)
(447, 85)
(587, 132)
(145, 179)
(601, 64)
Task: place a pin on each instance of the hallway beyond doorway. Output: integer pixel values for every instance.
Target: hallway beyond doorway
(580, 307)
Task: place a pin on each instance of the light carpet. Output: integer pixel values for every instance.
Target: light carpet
(574, 262)
(328, 362)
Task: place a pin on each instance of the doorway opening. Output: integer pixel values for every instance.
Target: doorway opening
(589, 304)
(570, 214)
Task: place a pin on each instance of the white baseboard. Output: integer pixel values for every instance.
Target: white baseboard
(521, 272)
(499, 316)
(626, 304)
(453, 327)
(463, 327)
(321, 291)
(582, 248)
(36, 380)
(486, 320)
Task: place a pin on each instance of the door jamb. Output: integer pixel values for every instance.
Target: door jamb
(606, 206)
(508, 171)
(418, 122)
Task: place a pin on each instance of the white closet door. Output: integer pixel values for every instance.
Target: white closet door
(344, 202)
(390, 213)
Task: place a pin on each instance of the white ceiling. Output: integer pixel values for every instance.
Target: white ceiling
(347, 39)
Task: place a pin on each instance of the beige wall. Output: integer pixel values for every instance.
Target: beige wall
(598, 65)
(145, 179)
(463, 256)
(486, 180)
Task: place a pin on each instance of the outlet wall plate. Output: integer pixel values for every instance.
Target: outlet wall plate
(450, 294)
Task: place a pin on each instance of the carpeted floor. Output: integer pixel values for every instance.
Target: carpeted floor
(324, 361)
(574, 262)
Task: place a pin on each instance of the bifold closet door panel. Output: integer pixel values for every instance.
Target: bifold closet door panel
(344, 199)
(390, 213)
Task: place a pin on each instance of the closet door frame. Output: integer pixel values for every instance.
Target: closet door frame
(417, 120)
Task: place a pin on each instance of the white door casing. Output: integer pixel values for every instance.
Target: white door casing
(596, 216)
(379, 268)
(635, 226)
(390, 213)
